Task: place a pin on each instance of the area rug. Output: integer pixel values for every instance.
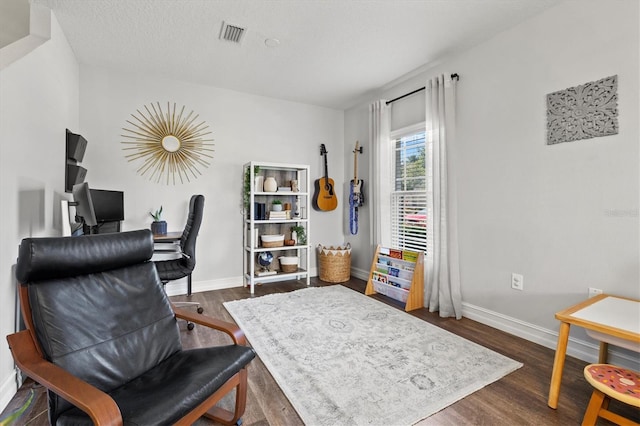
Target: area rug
(343, 358)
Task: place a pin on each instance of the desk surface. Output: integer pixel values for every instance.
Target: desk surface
(608, 314)
(169, 237)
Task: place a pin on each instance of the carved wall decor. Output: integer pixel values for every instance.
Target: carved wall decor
(583, 112)
(169, 145)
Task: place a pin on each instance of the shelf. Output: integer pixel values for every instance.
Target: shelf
(279, 166)
(392, 260)
(257, 203)
(268, 221)
(394, 292)
(278, 193)
(398, 274)
(261, 249)
(278, 276)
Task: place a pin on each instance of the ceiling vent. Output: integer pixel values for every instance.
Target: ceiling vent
(232, 33)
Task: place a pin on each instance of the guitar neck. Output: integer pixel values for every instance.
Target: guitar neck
(355, 166)
(355, 163)
(326, 168)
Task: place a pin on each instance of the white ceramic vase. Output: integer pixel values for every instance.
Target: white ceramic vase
(258, 183)
(270, 184)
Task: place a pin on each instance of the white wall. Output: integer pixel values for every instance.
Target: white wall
(564, 216)
(38, 100)
(45, 92)
(245, 127)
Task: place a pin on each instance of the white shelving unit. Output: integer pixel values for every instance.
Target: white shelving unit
(252, 247)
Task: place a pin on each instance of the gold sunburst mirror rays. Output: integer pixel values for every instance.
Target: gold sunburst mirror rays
(169, 145)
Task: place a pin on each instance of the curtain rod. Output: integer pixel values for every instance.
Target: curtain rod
(454, 75)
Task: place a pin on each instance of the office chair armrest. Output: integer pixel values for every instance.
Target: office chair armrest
(227, 327)
(98, 405)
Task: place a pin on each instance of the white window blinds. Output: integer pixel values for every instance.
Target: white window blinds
(409, 194)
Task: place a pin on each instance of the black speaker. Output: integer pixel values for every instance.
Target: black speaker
(73, 175)
(76, 146)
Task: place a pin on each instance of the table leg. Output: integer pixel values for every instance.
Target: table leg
(558, 365)
(604, 353)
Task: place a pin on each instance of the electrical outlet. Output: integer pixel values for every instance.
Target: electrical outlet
(517, 282)
(594, 291)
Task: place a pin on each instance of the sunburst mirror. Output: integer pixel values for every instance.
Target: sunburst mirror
(168, 145)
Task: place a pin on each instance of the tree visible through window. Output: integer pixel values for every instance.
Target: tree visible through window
(409, 196)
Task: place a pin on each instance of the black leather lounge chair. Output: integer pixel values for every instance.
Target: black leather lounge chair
(102, 337)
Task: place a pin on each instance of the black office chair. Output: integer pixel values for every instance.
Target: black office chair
(174, 269)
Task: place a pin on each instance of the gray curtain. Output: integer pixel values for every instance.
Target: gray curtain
(380, 173)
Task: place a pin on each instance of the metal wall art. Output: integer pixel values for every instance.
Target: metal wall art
(583, 112)
(169, 144)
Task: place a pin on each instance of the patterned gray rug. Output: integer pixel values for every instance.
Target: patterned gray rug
(343, 358)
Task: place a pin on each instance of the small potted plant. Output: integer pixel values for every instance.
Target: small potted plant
(276, 206)
(299, 235)
(158, 226)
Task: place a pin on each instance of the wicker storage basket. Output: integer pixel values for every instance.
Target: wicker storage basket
(334, 263)
(288, 268)
(272, 244)
(289, 263)
(269, 241)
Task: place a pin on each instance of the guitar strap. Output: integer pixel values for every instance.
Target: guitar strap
(356, 197)
(353, 212)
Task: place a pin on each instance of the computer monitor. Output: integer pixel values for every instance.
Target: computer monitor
(84, 204)
(107, 205)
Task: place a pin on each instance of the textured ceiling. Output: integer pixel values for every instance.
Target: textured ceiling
(331, 52)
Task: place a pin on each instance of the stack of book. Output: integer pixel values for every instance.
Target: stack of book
(281, 215)
(259, 211)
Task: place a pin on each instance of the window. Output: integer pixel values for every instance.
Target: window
(409, 193)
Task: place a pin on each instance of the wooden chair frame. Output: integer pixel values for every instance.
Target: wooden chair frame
(599, 407)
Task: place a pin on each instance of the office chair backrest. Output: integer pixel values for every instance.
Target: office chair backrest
(96, 307)
(191, 229)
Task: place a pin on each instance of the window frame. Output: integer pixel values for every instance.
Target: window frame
(399, 198)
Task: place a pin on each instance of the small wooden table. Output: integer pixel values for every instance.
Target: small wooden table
(607, 315)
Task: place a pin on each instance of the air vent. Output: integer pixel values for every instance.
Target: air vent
(232, 33)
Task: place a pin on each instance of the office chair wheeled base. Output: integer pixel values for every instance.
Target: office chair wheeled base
(190, 325)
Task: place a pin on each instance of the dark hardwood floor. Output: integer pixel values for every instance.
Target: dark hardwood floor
(520, 398)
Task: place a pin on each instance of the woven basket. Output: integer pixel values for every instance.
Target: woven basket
(273, 244)
(334, 263)
(288, 268)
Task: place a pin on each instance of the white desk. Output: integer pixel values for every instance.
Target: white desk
(611, 319)
(168, 243)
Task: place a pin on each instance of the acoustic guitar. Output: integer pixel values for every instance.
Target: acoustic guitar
(325, 196)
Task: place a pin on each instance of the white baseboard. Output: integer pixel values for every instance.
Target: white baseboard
(581, 349)
(178, 287)
(360, 274)
(8, 390)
